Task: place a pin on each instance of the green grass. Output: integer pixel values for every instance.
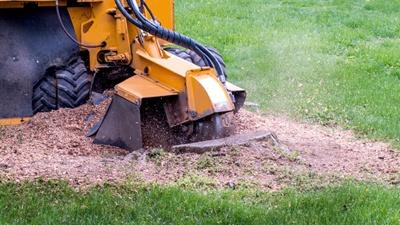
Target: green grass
(330, 61)
(56, 203)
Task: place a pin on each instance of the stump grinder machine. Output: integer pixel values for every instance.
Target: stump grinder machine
(55, 53)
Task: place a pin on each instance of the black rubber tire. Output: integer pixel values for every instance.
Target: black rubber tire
(66, 87)
(192, 56)
(44, 95)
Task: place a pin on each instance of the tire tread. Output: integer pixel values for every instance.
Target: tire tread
(68, 87)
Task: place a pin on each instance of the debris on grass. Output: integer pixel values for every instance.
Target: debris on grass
(54, 146)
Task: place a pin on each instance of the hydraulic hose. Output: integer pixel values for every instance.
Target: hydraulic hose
(176, 38)
(143, 23)
(132, 20)
(69, 35)
(143, 2)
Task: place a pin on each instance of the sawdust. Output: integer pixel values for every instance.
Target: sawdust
(54, 146)
(330, 149)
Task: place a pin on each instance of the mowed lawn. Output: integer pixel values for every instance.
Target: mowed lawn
(330, 61)
(55, 203)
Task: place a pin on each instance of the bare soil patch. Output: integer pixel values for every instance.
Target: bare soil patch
(54, 146)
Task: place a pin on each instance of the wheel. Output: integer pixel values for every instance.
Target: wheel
(192, 56)
(211, 127)
(66, 87)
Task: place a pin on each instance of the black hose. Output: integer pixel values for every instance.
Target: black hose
(148, 10)
(143, 23)
(122, 9)
(103, 44)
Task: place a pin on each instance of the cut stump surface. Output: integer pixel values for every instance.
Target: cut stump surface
(217, 144)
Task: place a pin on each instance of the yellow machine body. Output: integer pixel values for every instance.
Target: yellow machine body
(190, 92)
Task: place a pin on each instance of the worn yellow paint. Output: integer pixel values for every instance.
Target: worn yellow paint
(13, 121)
(164, 12)
(102, 22)
(170, 70)
(99, 21)
(158, 73)
(206, 94)
(22, 3)
(141, 87)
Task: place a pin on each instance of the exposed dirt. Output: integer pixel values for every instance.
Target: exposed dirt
(54, 146)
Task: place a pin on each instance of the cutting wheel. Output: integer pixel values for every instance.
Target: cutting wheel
(212, 127)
